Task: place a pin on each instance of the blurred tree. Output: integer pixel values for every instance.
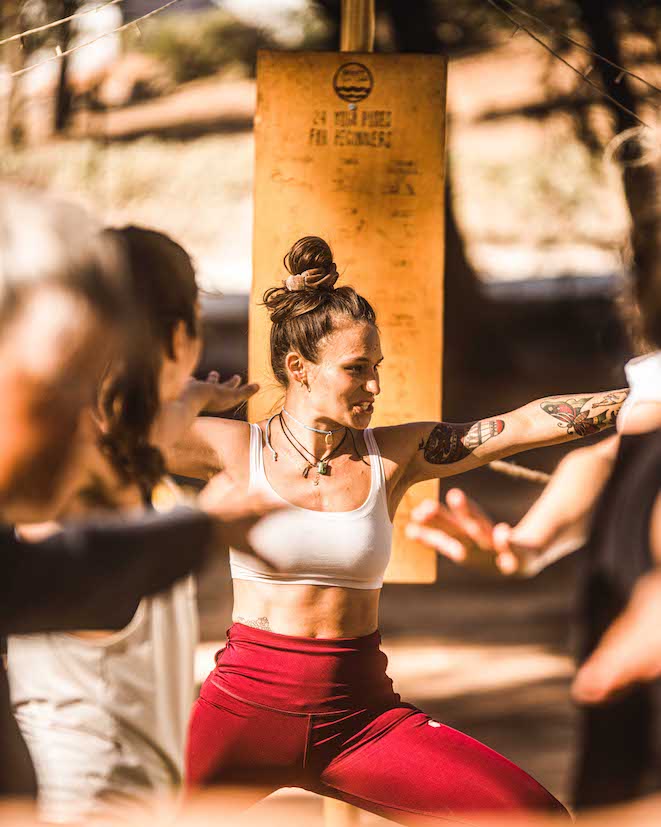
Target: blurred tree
(11, 127)
(63, 93)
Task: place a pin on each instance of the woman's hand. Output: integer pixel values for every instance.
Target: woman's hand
(220, 397)
(176, 418)
(462, 532)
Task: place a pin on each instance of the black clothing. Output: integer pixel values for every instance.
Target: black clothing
(619, 749)
(89, 577)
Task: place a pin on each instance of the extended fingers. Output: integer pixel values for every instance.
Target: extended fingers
(442, 542)
(470, 518)
(506, 560)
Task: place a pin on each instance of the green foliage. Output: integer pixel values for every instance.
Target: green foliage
(201, 44)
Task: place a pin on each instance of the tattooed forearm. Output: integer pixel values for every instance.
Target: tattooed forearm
(585, 415)
(257, 623)
(448, 443)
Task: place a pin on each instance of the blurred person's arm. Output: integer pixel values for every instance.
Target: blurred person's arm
(93, 576)
(630, 650)
(197, 454)
(211, 396)
(556, 525)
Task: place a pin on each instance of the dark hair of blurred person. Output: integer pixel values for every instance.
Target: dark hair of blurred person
(165, 294)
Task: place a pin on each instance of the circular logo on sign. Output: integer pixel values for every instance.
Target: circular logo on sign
(353, 82)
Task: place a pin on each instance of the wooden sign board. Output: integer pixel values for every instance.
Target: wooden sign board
(351, 147)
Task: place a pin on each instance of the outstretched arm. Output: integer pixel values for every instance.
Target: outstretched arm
(442, 449)
(556, 524)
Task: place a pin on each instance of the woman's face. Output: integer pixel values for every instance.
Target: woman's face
(345, 381)
(175, 372)
(52, 355)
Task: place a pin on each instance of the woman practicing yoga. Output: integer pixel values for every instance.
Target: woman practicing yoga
(300, 694)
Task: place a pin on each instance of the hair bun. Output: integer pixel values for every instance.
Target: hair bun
(318, 278)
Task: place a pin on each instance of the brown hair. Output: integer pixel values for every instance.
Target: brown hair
(165, 293)
(303, 315)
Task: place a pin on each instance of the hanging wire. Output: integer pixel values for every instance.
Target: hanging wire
(591, 83)
(61, 54)
(55, 23)
(622, 71)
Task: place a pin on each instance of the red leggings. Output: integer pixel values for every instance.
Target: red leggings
(281, 711)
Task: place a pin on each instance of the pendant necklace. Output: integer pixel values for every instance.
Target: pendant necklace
(328, 434)
(320, 463)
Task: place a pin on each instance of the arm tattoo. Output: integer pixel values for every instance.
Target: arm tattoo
(257, 623)
(585, 415)
(450, 443)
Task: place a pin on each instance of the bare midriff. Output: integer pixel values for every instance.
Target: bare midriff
(306, 611)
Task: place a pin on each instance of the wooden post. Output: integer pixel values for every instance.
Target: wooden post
(350, 147)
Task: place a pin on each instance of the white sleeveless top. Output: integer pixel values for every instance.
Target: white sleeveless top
(105, 718)
(359, 562)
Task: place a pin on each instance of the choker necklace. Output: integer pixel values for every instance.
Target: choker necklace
(328, 434)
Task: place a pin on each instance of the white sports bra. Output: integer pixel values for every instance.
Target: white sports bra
(358, 561)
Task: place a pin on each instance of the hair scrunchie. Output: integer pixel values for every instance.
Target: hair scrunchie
(314, 279)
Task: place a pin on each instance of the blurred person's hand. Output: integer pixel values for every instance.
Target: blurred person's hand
(223, 396)
(630, 650)
(211, 396)
(256, 523)
(237, 510)
(462, 532)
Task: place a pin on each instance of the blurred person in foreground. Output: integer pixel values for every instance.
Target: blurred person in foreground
(606, 496)
(104, 715)
(65, 312)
